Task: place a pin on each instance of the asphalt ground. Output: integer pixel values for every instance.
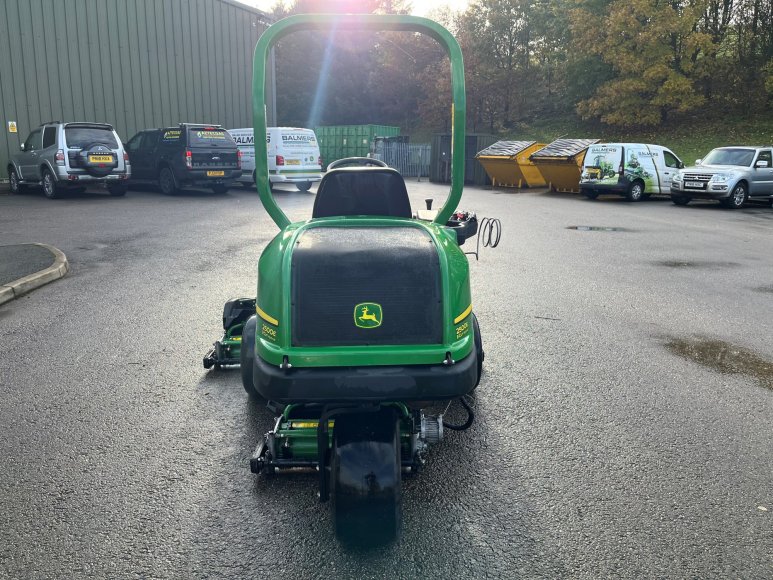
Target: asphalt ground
(19, 260)
(623, 421)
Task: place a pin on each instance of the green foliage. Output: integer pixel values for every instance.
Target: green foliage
(632, 65)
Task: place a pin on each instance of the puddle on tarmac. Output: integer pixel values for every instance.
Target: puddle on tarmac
(724, 358)
(596, 229)
(695, 264)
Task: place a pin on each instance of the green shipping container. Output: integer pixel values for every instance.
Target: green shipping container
(340, 141)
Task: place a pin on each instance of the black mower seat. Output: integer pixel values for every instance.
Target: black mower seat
(347, 191)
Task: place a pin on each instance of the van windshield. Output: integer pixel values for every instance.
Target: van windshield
(740, 157)
(209, 137)
(80, 137)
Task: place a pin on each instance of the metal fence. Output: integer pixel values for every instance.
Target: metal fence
(411, 160)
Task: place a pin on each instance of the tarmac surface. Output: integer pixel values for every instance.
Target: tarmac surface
(623, 423)
(20, 260)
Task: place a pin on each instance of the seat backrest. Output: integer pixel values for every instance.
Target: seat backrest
(378, 191)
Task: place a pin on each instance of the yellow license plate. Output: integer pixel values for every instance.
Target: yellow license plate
(293, 162)
(100, 158)
(215, 173)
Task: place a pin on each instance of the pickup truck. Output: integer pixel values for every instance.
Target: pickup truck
(730, 175)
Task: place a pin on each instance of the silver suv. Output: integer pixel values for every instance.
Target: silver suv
(730, 175)
(60, 155)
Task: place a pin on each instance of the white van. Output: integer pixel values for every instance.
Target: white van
(293, 156)
(633, 170)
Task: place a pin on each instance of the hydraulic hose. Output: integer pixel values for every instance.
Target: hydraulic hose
(468, 423)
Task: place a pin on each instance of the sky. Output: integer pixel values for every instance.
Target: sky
(420, 7)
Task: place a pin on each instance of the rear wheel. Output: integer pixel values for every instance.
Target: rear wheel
(166, 182)
(117, 190)
(51, 189)
(635, 191)
(247, 356)
(303, 185)
(680, 200)
(366, 478)
(478, 347)
(591, 193)
(13, 178)
(737, 197)
(220, 189)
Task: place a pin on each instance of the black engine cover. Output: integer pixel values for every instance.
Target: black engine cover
(335, 269)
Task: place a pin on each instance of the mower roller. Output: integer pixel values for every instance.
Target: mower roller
(363, 315)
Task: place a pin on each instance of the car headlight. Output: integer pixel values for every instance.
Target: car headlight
(721, 177)
(677, 178)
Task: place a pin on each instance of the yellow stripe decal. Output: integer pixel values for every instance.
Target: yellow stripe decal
(463, 315)
(266, 317)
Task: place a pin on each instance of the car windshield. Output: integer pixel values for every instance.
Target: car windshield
(741, 157)
(209, 137)
(80, 137)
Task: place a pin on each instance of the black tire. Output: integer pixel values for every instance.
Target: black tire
(680, 200)
(118, 190)
(248, 185)
(303, 185)
(635, 191)
(219, 189)
(51, 189)
(247, 356)
(166, 181)
(365, 478)
(13, 179)
(737, 198)
(478, 348)
(770, 202)
(590, 193)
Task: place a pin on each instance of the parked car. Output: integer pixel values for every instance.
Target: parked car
(189, 155)
(730, 175)
(293, 156)
(633, 170)
(58, 156)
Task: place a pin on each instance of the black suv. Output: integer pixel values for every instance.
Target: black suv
(186, 155)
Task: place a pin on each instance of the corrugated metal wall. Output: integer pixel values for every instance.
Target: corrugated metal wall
(133, 63)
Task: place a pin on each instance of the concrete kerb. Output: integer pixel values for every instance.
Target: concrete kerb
(19, 287)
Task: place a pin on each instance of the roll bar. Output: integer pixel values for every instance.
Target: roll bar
(375, 23)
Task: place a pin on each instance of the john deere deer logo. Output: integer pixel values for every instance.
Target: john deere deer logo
(368, 315)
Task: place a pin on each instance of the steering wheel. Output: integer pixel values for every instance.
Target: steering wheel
(357, 161)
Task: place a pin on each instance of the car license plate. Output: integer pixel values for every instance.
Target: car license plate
(293, 162)
(693, 184)
(100, 158)
(215, 173)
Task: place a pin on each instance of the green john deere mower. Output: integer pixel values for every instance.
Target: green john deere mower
(363, 315)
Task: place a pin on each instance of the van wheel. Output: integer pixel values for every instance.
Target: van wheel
(51, 188)
(166, 181)
(117, 190)
(13, 178)
(635, 191)
(591, 193)
(303, 185)
(737, 197)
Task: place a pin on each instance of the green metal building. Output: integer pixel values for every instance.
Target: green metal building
(135, 64)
